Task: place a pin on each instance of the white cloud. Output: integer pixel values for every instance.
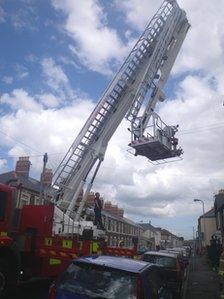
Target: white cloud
(20, 100)
(43, 130)
(7, 79)
(3, 165)
(95, 44)
(203, 48)
(23, 75)
(2, 15)
(57, 80)
(138, 12)
(25, 17)
(53, 73)
(49, 100)
(21, 71)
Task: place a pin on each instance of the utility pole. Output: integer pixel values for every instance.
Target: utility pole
(45, 159)
(194, 250)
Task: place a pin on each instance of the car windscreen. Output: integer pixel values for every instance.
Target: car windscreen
(165, 261)
(99, 282)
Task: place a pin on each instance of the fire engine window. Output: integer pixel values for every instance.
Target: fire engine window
(3, 201)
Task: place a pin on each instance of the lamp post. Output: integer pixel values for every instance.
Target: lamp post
(203, 207)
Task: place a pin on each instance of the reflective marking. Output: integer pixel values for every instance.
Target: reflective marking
(95, 247)
(3, 234)
(48, 241)
(67, 244)
(54, 262)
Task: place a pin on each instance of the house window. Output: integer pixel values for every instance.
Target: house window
(24, 198)
(117, 227)
(109, 224)
(32, 199)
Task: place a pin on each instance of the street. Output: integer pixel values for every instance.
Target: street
(35, 289)
(202, 282)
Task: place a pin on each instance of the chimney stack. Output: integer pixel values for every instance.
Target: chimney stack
(113, 209)
(23, 166)
(47, 177)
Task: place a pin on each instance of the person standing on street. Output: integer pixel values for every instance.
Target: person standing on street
(97, 211)
(214, 254)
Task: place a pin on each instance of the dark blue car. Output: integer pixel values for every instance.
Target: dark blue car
(111, 278)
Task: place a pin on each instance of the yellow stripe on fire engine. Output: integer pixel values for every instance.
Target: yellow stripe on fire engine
(54, 262)
(95, 247)
(3, 234)
(67, 244)
(48, 241)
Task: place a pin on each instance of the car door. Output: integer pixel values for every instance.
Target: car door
(152, 283)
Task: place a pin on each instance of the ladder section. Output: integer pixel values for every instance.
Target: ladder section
(166, 26)
(119, 87)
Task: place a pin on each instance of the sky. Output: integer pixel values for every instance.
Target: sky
(58, 56)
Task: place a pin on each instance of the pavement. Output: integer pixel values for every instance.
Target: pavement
(202, 282)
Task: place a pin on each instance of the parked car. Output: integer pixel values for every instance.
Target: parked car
(172, 268)
(110, 278)
(183, 255)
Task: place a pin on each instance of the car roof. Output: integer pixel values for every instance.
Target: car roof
(114, 262)
(178, 249)
(161, 253)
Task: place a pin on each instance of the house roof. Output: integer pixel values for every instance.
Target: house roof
(27, 182)
(147, 226)
(209, 214)
(121, 219)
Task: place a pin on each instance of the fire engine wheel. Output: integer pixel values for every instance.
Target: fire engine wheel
(4, 274)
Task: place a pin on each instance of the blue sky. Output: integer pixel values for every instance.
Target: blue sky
(57, 57)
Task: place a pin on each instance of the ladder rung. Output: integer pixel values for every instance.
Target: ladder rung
(110, 104)
(65, 172)
(92, 131)
(77, 155)
(93, 127)
(122, 87)
(108, 110)
(83, 144)
(133, 62)
(99, 113)
(112, 97)
(87, 137)
(117, 92)
(97, 120)
(128, 75)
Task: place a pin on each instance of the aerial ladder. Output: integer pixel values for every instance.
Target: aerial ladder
(133, 93)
